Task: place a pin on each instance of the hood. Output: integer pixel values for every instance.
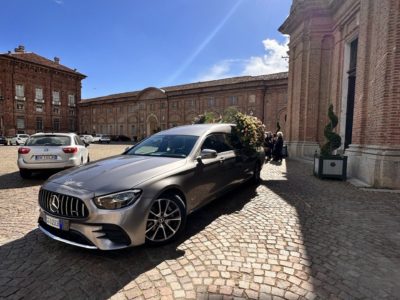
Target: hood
(116, 174)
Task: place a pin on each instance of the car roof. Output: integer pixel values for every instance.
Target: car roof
(53, 133)
(198, 129)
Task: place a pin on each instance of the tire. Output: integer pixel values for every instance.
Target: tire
(26, 174)
(166, 220)
(256, 179)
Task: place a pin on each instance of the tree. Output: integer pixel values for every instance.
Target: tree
(333, 139)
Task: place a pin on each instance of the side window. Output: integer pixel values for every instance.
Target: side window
(78, 141)
(218, 142)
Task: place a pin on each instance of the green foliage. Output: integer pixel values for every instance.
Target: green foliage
(229, 115)
(334, 140)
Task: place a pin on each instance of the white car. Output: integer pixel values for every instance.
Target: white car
(49, 151)
(86, 138)
(101, 138)
(19, 139)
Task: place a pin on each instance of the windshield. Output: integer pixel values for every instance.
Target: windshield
(46, 140)
(165, 146)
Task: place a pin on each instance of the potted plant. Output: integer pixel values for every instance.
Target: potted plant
(326, 164)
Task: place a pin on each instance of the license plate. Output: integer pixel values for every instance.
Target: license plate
(56, 223)
(44, 157)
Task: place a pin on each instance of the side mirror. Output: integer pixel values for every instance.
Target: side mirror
(86, 144)
(207, 154)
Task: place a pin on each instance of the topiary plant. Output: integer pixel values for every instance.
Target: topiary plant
(334, 140)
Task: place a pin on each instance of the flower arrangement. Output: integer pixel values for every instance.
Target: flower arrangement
(250, 130)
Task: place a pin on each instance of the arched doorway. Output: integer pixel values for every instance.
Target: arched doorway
(152, 125)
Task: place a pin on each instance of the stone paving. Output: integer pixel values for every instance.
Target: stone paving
(292, 237)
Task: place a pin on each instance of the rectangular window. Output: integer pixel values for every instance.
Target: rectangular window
(142, 105)
(71, 124)
(211, 102)
(71, 100)
(71, 112)
(152, 107)
(39, 108)
(20, 123)
(56, 110)
(20, 106)
(252, 98)
(19, 92)
(233, 100)
(163, 105)
(175, 105)
(131, 108)
(39, 95)
(94, 111)
(39, 124)
(56, 125)
(56, 98)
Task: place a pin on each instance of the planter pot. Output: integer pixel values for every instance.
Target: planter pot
(330, 167)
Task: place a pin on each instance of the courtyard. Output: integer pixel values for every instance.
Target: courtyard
(292, 237)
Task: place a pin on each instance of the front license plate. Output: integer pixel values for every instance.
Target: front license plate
(56, 223)
(45, 157)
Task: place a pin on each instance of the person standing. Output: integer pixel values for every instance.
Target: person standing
(278, 146)
(268, 145)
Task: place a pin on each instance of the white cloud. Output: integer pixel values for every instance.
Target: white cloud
(273, 61)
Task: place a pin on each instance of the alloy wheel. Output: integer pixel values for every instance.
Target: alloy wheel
(164, 220)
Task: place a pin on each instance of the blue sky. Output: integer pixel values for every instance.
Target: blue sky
(126, 45)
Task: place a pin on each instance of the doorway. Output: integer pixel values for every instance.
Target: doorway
(351, 91)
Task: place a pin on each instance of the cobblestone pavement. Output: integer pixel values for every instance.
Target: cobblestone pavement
(292, 237)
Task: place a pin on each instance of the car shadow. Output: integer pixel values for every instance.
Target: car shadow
(35, 266)
(14, 180)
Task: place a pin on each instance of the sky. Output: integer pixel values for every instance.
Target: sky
(128, 45)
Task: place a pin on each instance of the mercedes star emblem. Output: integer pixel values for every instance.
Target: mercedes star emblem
(54, 204)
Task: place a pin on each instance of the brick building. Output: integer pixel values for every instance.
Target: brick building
(37, 94)
(347, 52)
(140, 113)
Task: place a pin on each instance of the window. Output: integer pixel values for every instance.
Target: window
(71, 124)
(56, 110)
(19, 92)
(39, 124)
(163, 105)
(219, 142)
(39, 95)
(252, 98)
(211, 101)
(233, 100)
(133, 130)
(71, 112)
(152, 107)
(109, 110)
(20, 106)
(174, 105)
(20, 123)
(56, 98)
(131, 108)
(56, 125)
(121, 129)
(39, 107)
(71, 100)
(94, 111)
(190, 103)
(142, 105)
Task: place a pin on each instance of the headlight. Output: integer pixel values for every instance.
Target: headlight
(117, 200)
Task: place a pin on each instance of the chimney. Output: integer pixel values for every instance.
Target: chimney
(56, 59)
(20, 49)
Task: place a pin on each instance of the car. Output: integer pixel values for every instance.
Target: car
(146, 193)
(51, 151)
(101, 138)
(86, 138)
(3, 140)
(19, 139)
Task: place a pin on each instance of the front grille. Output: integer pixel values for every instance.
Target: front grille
(62, 205)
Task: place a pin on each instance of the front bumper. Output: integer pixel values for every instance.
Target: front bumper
(102, 229)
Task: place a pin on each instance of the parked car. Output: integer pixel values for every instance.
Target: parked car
(86, 138)
(101, 138)
(145, 194)
(19, 139)
(44, 151)
(3, 140)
